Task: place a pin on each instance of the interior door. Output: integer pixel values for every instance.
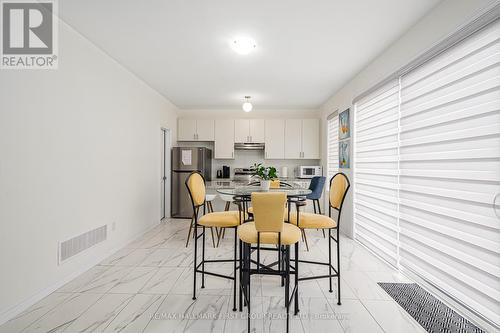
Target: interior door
(293, 138)
(163, 175)
(257, 130)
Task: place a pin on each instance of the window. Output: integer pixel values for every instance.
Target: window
(376, 171)
(333, 145)
(427, 170)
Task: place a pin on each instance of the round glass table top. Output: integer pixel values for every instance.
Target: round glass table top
(248, 190)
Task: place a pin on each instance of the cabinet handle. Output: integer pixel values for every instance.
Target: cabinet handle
(251, 139)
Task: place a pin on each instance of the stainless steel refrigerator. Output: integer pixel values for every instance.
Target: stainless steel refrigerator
(184, 161)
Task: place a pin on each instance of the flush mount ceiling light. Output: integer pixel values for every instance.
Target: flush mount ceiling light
(243, 45)
(247, 106)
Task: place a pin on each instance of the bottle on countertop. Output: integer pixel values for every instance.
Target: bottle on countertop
(284, 172)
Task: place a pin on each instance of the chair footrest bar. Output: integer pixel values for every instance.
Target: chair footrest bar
(317, 277)
(218, 260)
(215, 274)
(313, 262)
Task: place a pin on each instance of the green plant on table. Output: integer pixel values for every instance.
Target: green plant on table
(265, 173)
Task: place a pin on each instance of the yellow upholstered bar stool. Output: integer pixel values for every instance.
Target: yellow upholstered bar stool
(339, 185)
(275, 184)
(195, 184)
(268, 228)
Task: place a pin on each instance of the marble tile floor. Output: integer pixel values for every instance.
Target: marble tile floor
(147, 286)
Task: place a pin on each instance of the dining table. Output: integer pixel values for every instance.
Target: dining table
(242, 194)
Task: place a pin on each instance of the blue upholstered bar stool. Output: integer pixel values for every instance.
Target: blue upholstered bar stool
(316, 186)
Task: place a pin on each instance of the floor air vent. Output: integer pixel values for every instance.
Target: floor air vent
(75, 245)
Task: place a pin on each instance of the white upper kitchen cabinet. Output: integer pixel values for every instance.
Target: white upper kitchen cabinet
(195, 129)
(241, 130)
(293, 138)
(274, 138)
(205, 130)
(249, 130)
(302, 139)
(224, 138)
(310, 138)
(257, 130)
(186, 130)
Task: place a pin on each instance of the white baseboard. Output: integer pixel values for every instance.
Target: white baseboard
(19, 308)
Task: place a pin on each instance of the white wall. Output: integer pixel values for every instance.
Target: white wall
(443, 20)
(79, 148)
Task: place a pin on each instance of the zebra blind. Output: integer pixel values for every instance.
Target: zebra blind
(333, 145)
(376, 171)
(450, 172)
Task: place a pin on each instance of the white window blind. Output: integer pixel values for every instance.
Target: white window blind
(450, 171)
(376, 171)
(427, 171)
(333, 145)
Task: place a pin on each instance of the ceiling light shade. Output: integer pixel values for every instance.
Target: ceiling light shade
(247, 106)
(243, 45)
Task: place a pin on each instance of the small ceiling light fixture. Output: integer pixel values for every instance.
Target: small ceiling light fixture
(243, 45)
(247, 106)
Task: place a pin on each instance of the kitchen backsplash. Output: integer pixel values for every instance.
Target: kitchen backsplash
(247, 158)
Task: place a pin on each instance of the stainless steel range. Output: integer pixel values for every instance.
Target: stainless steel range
(243, 175)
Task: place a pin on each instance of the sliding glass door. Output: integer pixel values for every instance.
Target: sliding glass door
(427, 172)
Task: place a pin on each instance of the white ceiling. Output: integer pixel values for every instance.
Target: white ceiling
(306, 49)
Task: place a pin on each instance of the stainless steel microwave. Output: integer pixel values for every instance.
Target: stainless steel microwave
(309, 171)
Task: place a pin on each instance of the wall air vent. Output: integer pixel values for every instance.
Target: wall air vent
(75, 245)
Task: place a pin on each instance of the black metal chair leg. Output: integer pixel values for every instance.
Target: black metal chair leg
(283, 264)
(203, 259)
(213, 238)
(319, 207)
(195, 257)
(189, 232)
(234, 266)
(330, 257)
(249, 277)
(296, 310)
(314, 206)
(287, 288)
(305, 239)
(338, 266)
(241, 275)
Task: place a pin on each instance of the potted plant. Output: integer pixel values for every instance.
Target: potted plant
(266, 175)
